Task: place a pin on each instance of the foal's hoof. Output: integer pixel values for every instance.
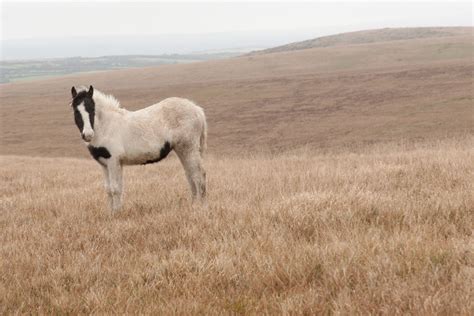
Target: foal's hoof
(116, 210)
(200, 205)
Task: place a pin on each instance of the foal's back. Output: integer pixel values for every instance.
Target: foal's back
(177, 113)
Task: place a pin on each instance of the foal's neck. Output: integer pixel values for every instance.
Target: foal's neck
(107, 116)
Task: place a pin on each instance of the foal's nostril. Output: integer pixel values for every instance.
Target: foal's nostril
(86, 137)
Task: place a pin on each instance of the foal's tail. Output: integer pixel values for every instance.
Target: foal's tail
(203, 139)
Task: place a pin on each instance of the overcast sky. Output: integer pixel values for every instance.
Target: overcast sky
(41, 29)
(21, 20)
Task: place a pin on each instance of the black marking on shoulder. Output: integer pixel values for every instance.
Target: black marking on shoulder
(165, 150)
(99, 152)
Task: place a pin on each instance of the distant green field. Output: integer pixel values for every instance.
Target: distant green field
(22, 70)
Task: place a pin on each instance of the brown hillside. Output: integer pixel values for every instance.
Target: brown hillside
(372, 36)
(319, 97)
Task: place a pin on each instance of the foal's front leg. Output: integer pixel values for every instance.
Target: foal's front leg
(107, 185)
(114, 170)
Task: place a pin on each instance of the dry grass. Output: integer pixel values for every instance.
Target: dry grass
(387, 230)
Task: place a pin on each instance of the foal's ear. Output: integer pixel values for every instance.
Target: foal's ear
(90, 93)
(73, 92)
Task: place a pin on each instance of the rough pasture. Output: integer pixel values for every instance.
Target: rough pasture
(381, 230)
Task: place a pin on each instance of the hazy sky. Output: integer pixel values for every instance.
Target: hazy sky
(21, 20)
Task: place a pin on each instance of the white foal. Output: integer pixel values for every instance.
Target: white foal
(117, 137)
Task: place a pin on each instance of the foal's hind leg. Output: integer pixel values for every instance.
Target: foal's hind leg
(192, 164)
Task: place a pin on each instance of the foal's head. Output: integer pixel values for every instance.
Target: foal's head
(84, 112)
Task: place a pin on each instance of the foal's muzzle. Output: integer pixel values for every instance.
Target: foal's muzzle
(87, 137)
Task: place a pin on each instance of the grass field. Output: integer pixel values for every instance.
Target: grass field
(340, 181)
(385, 229)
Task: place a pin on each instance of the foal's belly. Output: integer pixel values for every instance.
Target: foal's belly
(137, 157)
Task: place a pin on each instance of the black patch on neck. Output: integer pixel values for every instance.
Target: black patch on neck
(164, 151)
(99, 152)
(89, 105)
